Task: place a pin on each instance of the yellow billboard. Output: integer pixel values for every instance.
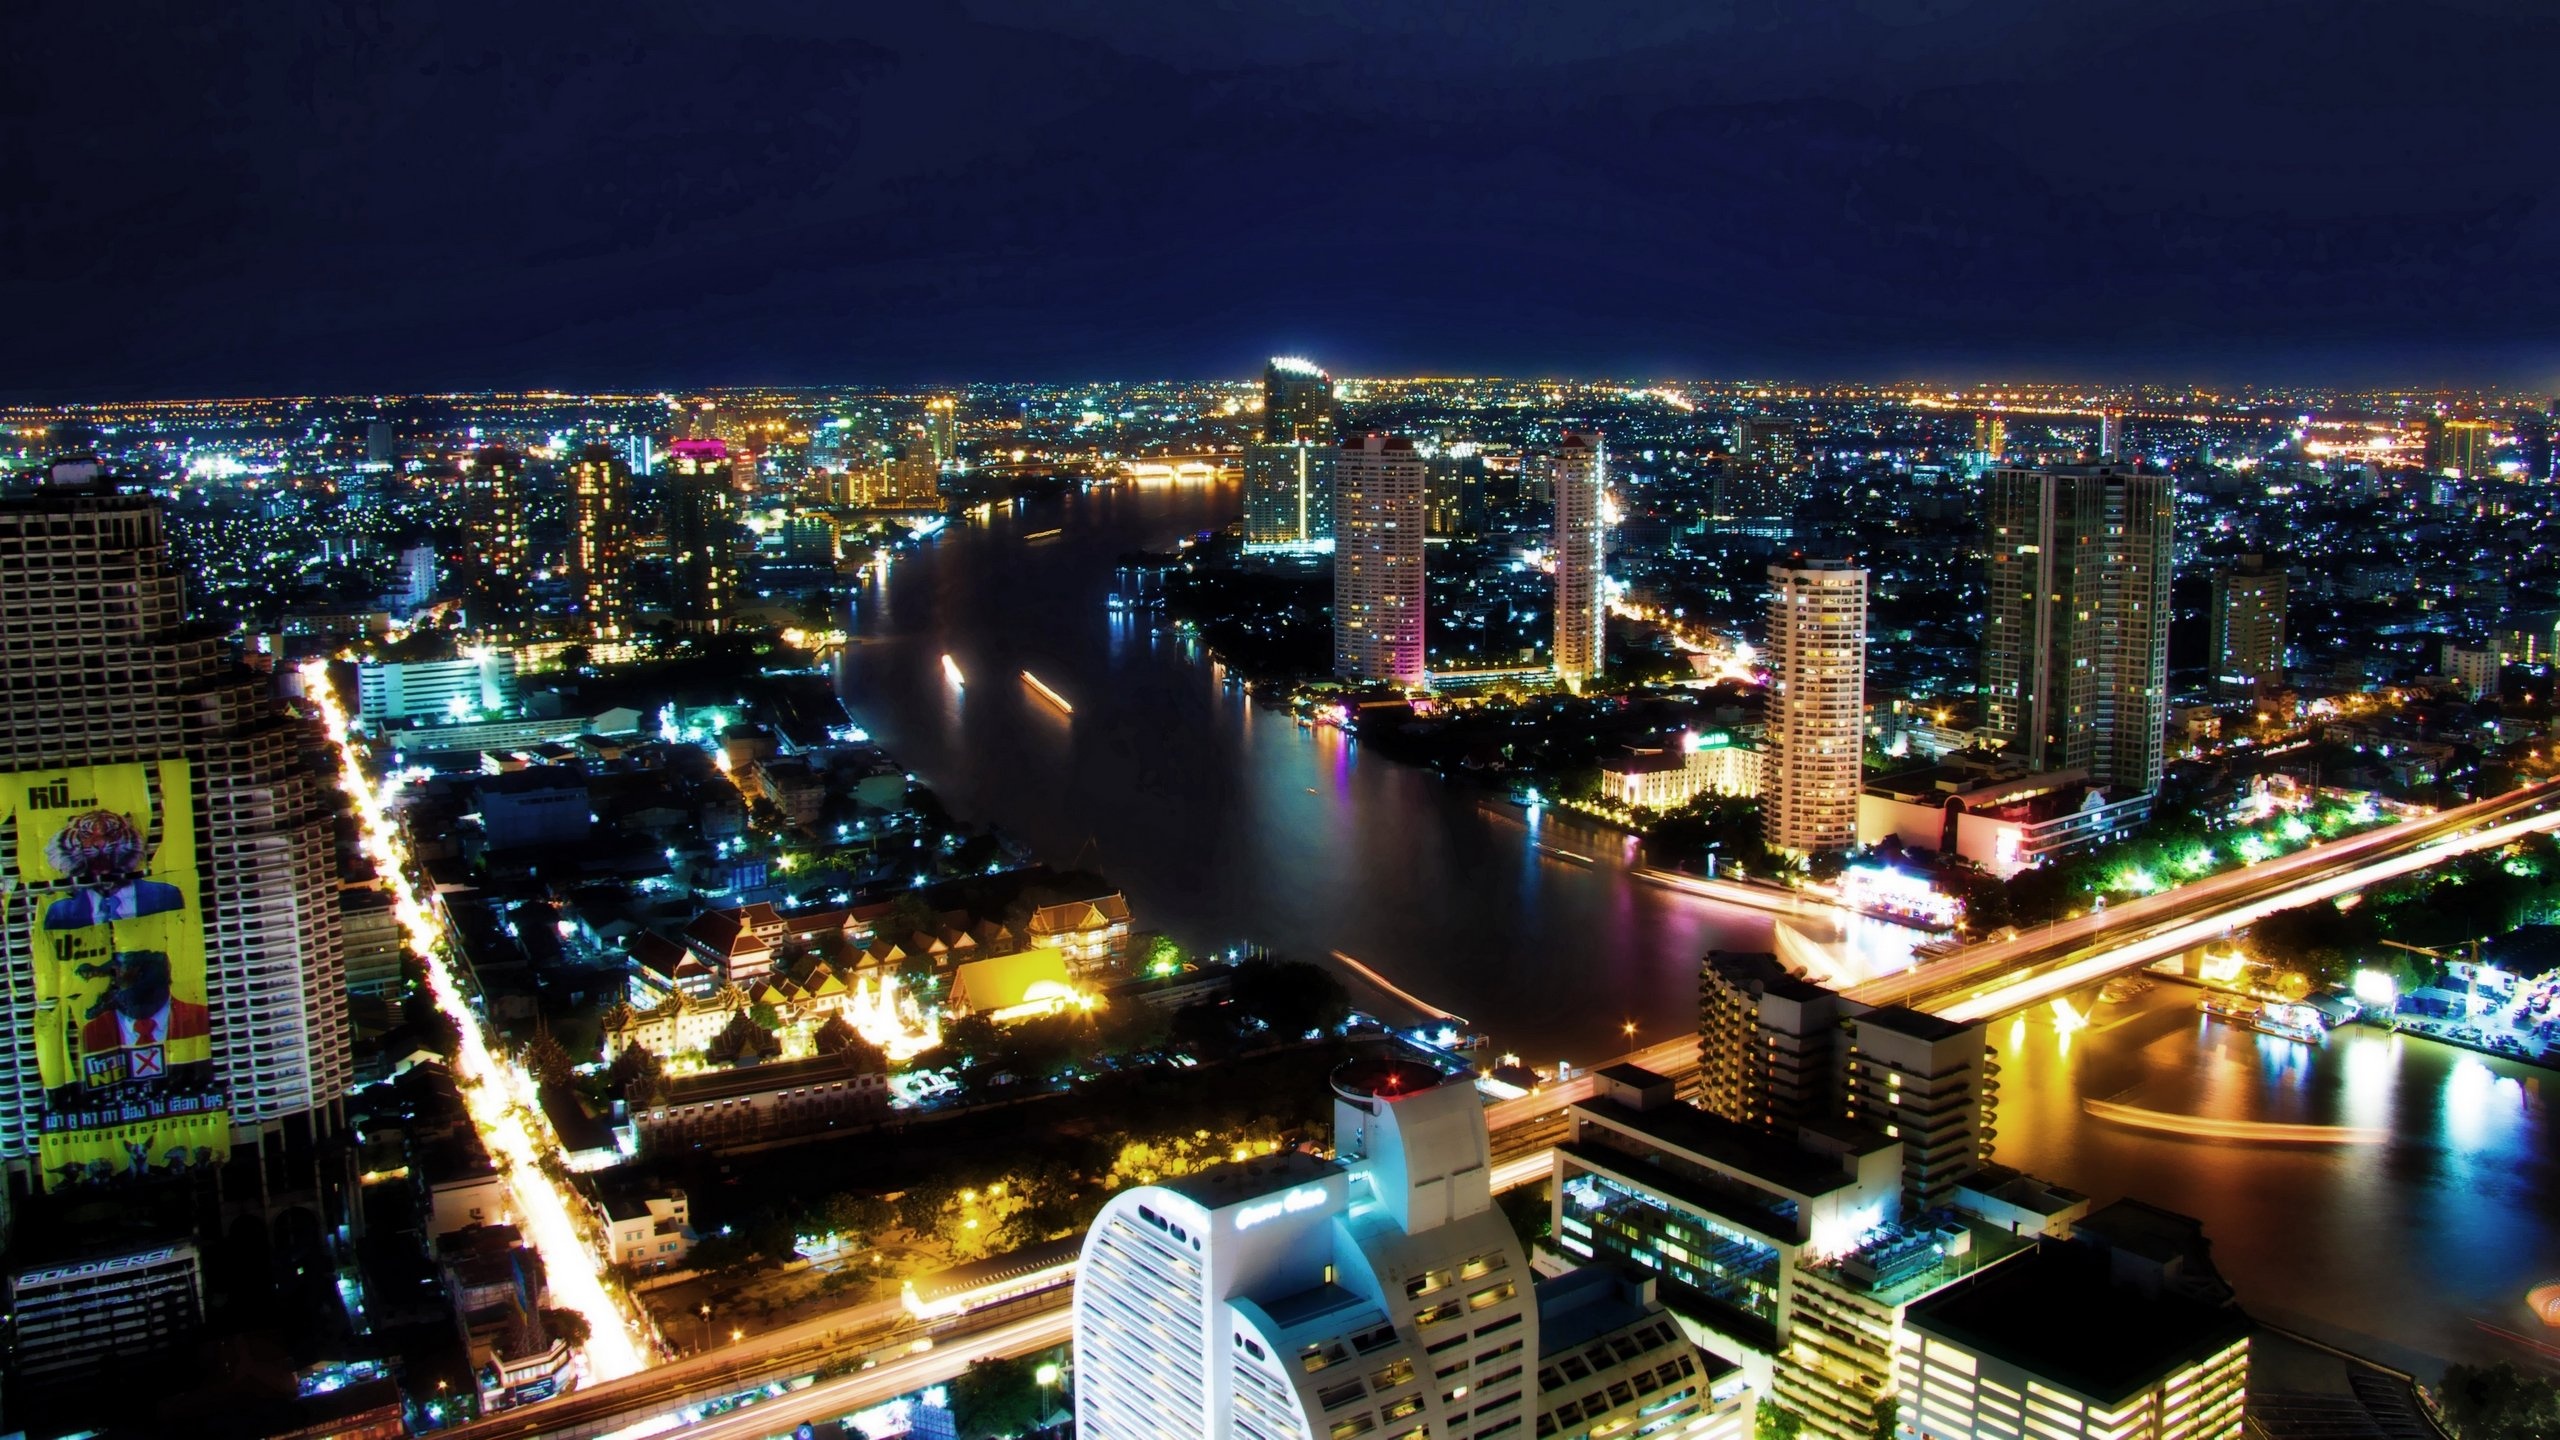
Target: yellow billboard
(124, 1039)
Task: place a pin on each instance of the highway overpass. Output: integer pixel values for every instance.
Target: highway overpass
(1997, 977)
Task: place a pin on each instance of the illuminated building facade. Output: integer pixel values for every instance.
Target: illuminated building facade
(1990, 439)
(1380, 1293)
(494, 543)
(2248, 624)
(1297, 403)
(103, 671)
(600, 539)
(2075, 645)
(1712, 763)
(1985, 1357)
(1817, 653)
(1288, 497)
(702, 534)
(467, 688)
(1582, 610)
(2460, 447)
(1377, 562)
(942, 431)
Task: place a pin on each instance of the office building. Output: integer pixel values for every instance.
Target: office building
(1816, 741)
(641, 452)
(1378, 1293)
(181, 763)
(2111, 438)
(1288, 497)
(600, 540)
(1377, 562)
(491, 564)
(2086, 1337)
(2247, 622)
(1990, 439)
(1721, 1212)
(471, 687)
(702, 534)
(83, 1320)
(1297, 403)
(1582, 604)
(381, 447)
(2076, 638)
(1454, 494)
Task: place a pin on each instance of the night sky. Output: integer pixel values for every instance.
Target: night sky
(354, 195)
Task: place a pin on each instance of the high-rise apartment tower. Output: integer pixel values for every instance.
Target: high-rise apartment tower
(1582, 476)
(2075, 646)
(1817, 655)
(1377, 562)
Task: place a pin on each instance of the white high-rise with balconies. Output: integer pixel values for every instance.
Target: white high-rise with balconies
(1582, 610)
(1378, 519)
(1817, 655)
(1381, 1293)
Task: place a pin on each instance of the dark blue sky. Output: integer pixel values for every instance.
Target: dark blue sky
(350, 195)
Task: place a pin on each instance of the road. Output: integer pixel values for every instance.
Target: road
(828, 1399)
(1997, 977)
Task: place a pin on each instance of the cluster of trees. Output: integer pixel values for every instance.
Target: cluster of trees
(1726, 826)
(1004, 1397)
(2499, 1402)
(2473, 897)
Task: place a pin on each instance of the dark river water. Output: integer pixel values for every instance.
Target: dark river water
(1226, 824)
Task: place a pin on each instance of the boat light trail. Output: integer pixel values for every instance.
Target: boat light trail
(1052, 696)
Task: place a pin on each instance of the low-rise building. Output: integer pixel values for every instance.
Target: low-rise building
(776, 1099)
(1666, 778)
(74, 1320)
(537, 807)
(1995, 814)
(644, 1230)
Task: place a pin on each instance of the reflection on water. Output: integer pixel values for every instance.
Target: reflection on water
(1226, 824)
(2401, 1248)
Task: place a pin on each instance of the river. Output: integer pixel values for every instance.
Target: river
(1224, 823)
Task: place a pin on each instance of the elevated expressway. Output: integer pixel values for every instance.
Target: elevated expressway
(1997, 977)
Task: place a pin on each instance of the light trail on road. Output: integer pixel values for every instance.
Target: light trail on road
(2020, 994)
(499, 1096)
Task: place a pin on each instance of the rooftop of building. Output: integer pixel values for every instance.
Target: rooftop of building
(2054, 1313)
(1238, 1181)
(1745, 1150)
(1918, 1024)
(741, 1081)
(1747, 969)
(1978, 1245)
(1384, 1075)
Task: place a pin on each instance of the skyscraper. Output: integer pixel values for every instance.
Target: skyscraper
(1288, 496)
(1817, 654)
(492, 561)
(2076, 642)
(1382, 1293)
(1990, 439)
(2111, 433)
(170, 841)
(1377, 562)
(1297, 403)
(942, 430)
(600, 538)
(701, 534)
(1582, 611)
(2248, 623)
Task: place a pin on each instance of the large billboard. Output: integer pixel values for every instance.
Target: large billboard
(113, 919)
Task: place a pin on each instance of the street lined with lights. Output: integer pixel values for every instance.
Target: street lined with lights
(499, 1095)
